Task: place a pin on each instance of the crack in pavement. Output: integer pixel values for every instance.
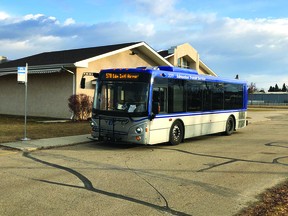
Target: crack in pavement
(157, 191)
(216, 165)
(176, 179)
(89, 186)
(231, 159)
(276, 144)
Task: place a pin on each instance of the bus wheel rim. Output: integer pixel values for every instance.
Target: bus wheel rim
(176, 132)
(230, 125)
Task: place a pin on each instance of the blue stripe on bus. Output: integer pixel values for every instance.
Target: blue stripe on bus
(190, 114)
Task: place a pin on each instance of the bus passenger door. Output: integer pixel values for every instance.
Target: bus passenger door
(159, 129)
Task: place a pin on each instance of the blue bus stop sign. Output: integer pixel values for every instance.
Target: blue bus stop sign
(22, 74)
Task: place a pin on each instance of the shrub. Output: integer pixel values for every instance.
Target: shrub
(80, 105)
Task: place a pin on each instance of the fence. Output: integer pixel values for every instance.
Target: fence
(273, 99)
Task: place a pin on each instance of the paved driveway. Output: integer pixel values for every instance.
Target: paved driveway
(210, 175)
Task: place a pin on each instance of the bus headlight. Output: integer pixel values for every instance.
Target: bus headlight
(139, 130)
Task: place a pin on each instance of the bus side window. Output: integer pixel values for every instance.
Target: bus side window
(160, 96)
(155, 101)
(155, 95)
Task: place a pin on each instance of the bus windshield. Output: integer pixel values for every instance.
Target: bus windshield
(122, 97)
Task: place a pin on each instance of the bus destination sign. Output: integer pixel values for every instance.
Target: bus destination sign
(120, 76)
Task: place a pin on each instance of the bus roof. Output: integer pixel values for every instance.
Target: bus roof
(173, 72)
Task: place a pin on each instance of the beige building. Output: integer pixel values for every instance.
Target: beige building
(54, 76)
(3, 59)
(185, 56)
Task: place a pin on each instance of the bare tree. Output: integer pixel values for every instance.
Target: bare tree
(252, 88)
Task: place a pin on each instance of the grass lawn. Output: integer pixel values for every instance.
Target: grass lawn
(273, 202)
(12, 128)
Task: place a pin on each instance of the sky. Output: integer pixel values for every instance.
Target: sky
(248, 38)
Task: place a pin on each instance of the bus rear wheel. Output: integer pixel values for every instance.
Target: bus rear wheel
(176, 133)
(230, 126)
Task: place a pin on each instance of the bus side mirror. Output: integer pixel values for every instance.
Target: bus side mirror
(82, 83)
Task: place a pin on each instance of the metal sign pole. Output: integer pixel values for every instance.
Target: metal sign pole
(26, 96)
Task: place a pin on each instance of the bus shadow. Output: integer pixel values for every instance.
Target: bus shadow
(104, 145)
(113, 145)
(211, 136)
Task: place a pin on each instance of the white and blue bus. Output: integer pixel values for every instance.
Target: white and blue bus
(165, 104)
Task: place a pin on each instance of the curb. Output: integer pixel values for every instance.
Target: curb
(33, 145)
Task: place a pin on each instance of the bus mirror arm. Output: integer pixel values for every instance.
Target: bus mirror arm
(82, 84)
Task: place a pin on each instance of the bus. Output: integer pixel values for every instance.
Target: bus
(165, 104)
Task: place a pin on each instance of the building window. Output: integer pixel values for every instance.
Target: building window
(183, 63)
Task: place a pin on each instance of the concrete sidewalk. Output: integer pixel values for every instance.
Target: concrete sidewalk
(37, 144)
(32, 145)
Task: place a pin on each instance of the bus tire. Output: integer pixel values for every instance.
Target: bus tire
(176, 133)
(230, 126)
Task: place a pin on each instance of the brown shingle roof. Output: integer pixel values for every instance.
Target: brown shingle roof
(65, 56)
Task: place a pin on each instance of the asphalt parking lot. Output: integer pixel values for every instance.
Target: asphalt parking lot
(210, 175)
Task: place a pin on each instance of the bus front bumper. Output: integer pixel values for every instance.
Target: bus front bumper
(137, 139)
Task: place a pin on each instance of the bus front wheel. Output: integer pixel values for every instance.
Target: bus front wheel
(176, 133)
(230, 126)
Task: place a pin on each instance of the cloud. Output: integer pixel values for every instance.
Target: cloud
(32, 34)
(69, 21)
(155, 7)
(258, 38)
(3, 15)
(229, 46)
(145, 29)
(40, 18)
(33, 45)
(33, 17)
